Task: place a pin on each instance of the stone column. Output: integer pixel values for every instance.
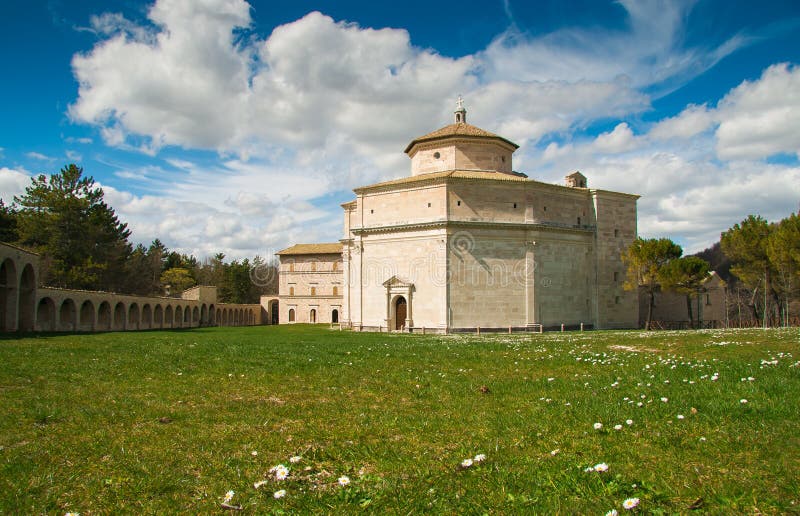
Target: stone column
(530, 282)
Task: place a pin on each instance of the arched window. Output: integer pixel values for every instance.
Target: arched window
(335, 290)
(291, 291)
(291, 315)
(313, 291)
(312, 317)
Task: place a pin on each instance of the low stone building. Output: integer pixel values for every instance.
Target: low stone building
(310, 285)
(671, 309)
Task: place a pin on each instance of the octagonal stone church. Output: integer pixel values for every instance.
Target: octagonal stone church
(465, 242)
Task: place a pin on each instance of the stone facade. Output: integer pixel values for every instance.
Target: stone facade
(310, 285)
(466, 242)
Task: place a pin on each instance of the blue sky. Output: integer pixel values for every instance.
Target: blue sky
(222, 125)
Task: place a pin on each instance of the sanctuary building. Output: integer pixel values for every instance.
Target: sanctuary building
(465, 241)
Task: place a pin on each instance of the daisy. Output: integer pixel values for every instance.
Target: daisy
(466, 463)
(480, 457)
(228, 497)
(281, 472)
(680, 416)
(344, 480)
(612, 512)
(665, 400)
(629, 422)
(617, 427)
(254, 453)
(279, 494)
(602, 467)
(742, 401)
(295, 459)
(258, 484)
(598, 426)
(555, 452)
(630, 503)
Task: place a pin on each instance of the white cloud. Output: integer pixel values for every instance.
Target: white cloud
(321, 106)
(39, 156)
(761, 118)
(621, 139)
(12, 182)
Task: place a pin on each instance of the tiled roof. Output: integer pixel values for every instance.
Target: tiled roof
(454, 174)
(335, 248)
(460, 129)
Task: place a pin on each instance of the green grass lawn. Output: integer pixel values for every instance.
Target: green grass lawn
(167, 422)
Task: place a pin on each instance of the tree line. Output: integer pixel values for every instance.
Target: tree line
(84, 245)
(760, 262)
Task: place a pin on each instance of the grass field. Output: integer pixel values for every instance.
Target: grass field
(168, 422)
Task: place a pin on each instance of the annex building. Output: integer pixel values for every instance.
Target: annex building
(463, 242)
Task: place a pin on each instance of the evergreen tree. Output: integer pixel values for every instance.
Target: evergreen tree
(685, 276)
(645, 258)
(8, 223)
(65, 218)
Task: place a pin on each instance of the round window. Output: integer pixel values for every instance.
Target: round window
(436, 155)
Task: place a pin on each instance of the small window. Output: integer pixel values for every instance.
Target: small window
(579, 221)
(313, 291)
(335, 291)
(436, 155)
(291, 267)
(708, 299)
(429, 205)
(616, 233)
(616, 276)
(515, 206)
(545, 208)
(313, 266)
(372, 211)
(291, 291)
(458, 203)
(503, 159)
(616, 300)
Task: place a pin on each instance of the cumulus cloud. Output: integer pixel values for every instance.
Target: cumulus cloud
(321, 106)
(12, 182)
(761, 118)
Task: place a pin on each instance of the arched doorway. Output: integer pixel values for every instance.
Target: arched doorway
(133, 317)
(27, 298)
(312, 316)
(119, 317)
(147, 318)
(400, 311)
(291, 315)
(104, 316)
(274, 313)
(8, 295)
(66, 316)
(46, 315)
(335, 316)
(86, 316)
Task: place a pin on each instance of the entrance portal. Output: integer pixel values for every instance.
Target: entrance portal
(400, 313)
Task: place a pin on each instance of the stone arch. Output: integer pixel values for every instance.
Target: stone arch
(46, 315)
(67, 316)
(147, 318)
(274, 312)
(118, 322)
(252, 317)
(104, 316)
(178, 320)
(158, 317)
(204, 315)
(223, 317)
(86, 316)
(335, 316)
(133, 317)
(187, 315)
(27, 299)
(312, 315)
(168, 316)
(399, 313)
(291, 315)
(195, 316)
(212, 315)
(8, 295)
(235, 317)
